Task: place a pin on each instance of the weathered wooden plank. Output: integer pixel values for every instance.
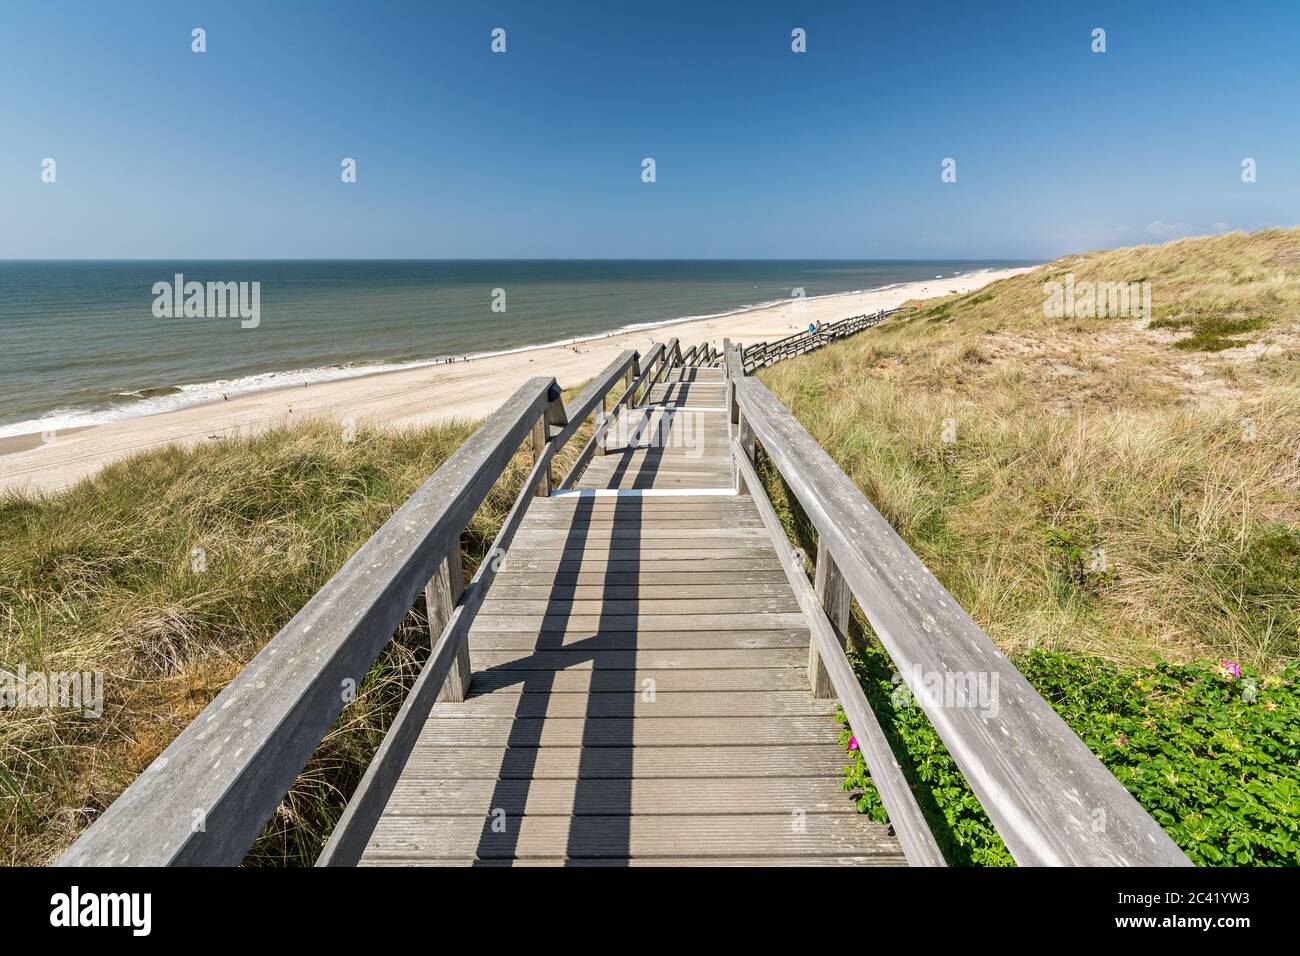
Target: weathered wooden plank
(709, 503)
(657, 460)
(603, 607)
(661, 483)
(645, 553)
(626, 731)
(594, 641)
(632, 532)
(717, 703)
(666, 391)
(578, 543)
(699, 795)
(656, 476)
(642, 578)
(632, 517)
(682, 436)
(663, 547)
(684, 589)
(634, 465)
(684, 505)
(670, 836)
(701, 375)
(666, 517)
(761, 620)
(530, 681)
(641, 565)
(641, 763)
(1045, 793)
(666, 521)
(643, 659)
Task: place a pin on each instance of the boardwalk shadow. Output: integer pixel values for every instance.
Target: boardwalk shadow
(602, 797)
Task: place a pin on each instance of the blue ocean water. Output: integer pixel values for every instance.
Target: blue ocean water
(80, 342)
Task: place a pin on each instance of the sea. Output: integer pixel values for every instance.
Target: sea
(86, 342)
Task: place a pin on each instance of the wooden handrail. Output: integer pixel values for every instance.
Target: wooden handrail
(914, 836)
(1050, 798)
(209, 794)
(352, 832)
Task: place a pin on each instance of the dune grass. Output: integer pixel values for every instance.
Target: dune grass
(167, 573)
(1090, 485)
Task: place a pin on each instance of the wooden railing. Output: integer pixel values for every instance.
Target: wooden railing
(1050, 798)
(763, 354)
(207, 797)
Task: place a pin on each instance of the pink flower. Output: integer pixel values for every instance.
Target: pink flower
(1230, 670)
(853, 742)
(1121, 740)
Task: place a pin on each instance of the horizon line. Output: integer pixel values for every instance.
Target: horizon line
(516, 259)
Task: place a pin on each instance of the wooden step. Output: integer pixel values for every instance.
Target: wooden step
(671, 836)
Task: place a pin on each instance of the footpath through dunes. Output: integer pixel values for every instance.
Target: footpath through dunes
(639, 672)
(639, 690)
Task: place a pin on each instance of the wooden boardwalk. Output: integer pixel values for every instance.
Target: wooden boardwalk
(627, 680)
(640, 690)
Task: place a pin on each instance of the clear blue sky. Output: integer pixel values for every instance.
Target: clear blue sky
(760, 152)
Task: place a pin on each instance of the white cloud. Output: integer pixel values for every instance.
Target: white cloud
(1167, 230)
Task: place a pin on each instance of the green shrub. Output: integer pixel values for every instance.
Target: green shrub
(1214, 757)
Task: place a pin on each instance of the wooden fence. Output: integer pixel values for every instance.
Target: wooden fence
(763, 354)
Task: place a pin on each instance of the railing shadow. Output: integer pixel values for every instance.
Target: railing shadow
(608, 743)
(600, 825)
(523, 744)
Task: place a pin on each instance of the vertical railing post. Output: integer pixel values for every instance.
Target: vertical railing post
(440, 597)
(543, 488)
(833, 592)
(633, 373)
(745, 435)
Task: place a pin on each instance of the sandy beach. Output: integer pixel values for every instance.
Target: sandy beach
(420, 396)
